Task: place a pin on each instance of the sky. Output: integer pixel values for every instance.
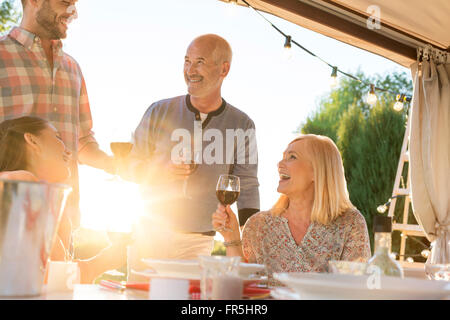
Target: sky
(132, 52)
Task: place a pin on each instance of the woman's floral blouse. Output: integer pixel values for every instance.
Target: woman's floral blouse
(267, 240)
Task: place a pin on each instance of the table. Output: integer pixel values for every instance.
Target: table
(89, 292)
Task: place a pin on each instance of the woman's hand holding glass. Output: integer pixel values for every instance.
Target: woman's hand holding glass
(225, 217)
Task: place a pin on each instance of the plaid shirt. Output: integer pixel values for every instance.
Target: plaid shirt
(29, 87)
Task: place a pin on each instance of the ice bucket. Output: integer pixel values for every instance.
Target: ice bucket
(29, 216)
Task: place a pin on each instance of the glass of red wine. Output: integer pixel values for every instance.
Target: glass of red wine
(121, 150)
(193, 165)
(227, 192)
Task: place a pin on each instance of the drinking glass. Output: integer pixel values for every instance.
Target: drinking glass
(121, 150)
(193, 165)
(227, 192)
(220, 278)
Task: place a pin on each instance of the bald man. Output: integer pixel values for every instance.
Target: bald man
(199, 127)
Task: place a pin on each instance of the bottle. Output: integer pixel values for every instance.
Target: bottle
(382, 227)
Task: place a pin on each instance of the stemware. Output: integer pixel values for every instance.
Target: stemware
(227, 192)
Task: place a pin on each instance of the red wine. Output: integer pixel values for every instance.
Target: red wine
(227, 197)
(121, 149)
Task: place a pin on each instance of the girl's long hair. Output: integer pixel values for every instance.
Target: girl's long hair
(13, 152)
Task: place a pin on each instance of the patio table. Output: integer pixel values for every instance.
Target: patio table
(88, 292)
(98, 292)
(93, 292)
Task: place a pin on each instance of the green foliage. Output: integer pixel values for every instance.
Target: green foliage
(370, 149)
(219, 249)
(9, 15)
(369, 138)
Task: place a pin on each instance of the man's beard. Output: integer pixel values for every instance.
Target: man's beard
(46, 18)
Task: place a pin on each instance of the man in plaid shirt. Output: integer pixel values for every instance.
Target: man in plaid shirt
(37, 78)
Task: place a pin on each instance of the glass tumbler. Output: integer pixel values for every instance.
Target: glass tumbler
(220, 278)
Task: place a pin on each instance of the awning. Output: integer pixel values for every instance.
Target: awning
(405, 25)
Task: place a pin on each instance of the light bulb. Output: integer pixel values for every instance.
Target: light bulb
(382, 208)
(288, 54)
(287, 48)
(333, 82)
(333, 79)
(425, 253)
(410, 260)
(398, 106)
(372, 97)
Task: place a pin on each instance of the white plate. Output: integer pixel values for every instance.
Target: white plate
(248, 269)
(190, 269)
(284, 294)
(344, 286)
(152, 274)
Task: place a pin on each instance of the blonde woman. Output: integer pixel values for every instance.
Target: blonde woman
(312, 222)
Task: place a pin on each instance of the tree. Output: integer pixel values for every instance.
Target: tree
(369, 138)
(9, 15)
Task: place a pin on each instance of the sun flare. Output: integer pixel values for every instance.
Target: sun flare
(108, 203)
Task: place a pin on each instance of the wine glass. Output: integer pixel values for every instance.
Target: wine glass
(120, 150)
(227, 192)
(193, 165)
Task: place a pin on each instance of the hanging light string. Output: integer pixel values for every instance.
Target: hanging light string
(401, 98)
(383, 208)
(425, 252)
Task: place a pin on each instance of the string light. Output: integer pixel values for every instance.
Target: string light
(287, 47)
(409, 260)
(372, 98)
(401, 99)
(398, 106)
(333, 79)
(425, 253)
(382, 208)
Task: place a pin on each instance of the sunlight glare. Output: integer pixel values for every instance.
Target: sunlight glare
(110, 205)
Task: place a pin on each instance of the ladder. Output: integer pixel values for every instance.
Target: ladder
(400, 190)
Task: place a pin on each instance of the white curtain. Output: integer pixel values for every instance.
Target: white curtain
(430, 146)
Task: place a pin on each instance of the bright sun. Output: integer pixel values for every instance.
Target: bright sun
(111, 204)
